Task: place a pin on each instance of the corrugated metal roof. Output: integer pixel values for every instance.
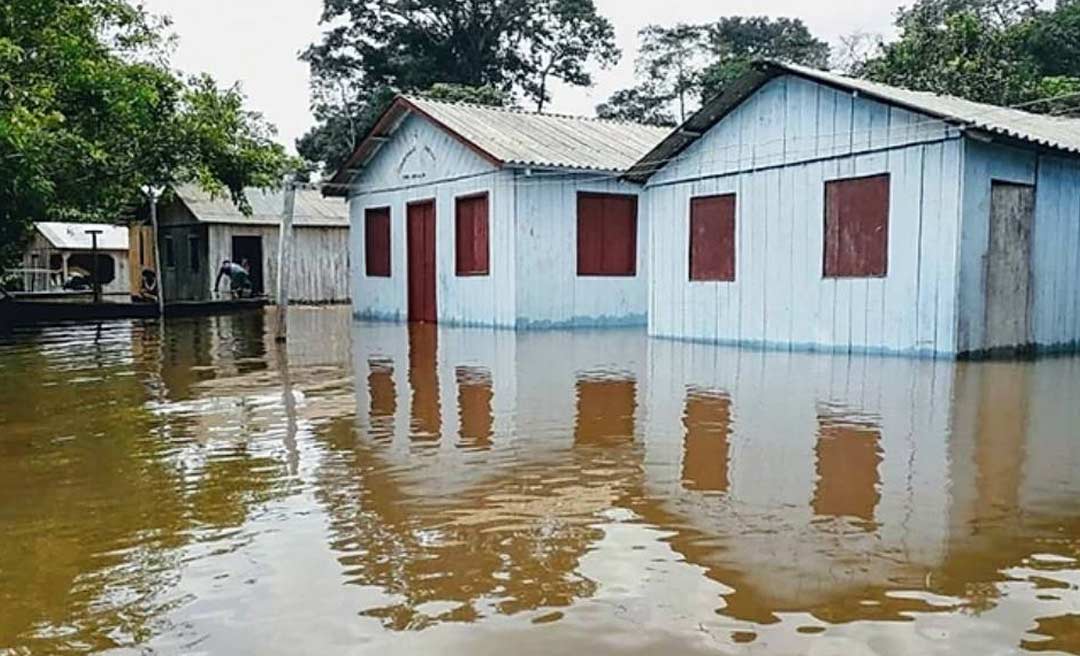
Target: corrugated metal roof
(312, 208)
(518, 138)
(73, 237)
(1046, 131)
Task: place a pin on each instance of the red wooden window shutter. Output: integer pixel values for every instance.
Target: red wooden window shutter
(857, 227)
(471, 235)
(377, 241)
(712, 238)
(607, 235)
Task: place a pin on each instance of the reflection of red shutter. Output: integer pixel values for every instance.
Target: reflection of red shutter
(377, 241)
(606, 235)
(857, 227)
(712, 238)
(471, 235)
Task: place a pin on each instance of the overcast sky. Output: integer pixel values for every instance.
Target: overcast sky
(256, 42)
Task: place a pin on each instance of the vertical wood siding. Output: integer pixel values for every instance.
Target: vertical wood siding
(320, 266)
(421, 163)
(549, 291)
(1055, 245)
(804, 135)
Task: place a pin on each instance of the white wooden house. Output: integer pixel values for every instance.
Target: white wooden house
(484, 216)
(805, 210)
(61, 254)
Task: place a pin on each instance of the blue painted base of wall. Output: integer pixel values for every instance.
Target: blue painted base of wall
(813, 348)
(629, 321)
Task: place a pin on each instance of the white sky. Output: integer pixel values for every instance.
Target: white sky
(256, 42)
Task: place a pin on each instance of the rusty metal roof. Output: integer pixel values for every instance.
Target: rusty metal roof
(1037, 129)
(312, 208)
(512, 137)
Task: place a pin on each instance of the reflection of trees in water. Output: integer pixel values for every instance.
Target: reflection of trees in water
(98, 496)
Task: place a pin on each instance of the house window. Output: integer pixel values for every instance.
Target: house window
(377, 242)
(606, 235)
(471, 233)
(712, 238)
(194, 253)
(170, 252)
(857, 227)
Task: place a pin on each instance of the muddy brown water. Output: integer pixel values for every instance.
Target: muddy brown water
(387, 489)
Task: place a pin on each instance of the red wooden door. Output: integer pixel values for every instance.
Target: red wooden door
(421, 238)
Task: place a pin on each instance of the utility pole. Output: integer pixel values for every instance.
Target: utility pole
(153, 194)
(285, 259)
(97, 263)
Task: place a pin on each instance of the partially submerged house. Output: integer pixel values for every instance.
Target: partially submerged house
(477, 215)
(61, 256)
(199, 230)
(803, 209)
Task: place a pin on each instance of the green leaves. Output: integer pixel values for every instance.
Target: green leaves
(90, 113)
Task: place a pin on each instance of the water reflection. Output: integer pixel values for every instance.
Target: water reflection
(201, 489)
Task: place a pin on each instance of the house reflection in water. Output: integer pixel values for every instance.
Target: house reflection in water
(798, 482)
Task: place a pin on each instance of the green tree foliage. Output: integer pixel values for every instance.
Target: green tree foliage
(679, 66)
(1002, 52)
(90, 113)
(375, 48)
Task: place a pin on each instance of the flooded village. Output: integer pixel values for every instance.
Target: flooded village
(777, 353)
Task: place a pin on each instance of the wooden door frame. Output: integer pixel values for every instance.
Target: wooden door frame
(433, 202)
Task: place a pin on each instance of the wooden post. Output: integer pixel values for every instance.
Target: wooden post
(97, 264)
(159, 273)
(285, 260)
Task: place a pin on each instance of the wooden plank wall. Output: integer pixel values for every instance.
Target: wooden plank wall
(776, 151)
(549, 291)
(320, 271)
(1055, 302)
(422, 162)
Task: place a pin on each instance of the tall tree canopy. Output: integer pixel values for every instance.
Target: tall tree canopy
(377, 47)
(90, 113)
(679, 66)
(997, 51)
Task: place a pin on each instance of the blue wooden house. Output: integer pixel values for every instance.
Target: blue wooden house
(805, 210)
(476, 215)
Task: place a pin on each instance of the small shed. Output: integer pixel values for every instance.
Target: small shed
(478, 215)
(199, 230)
(806, 210)
(61, 254)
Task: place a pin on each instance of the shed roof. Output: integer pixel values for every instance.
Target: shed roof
(312, 208)
(1047, 131)
(73, 236)
(512, 137)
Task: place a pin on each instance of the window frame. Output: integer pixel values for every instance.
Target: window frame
(170, 252)
(378, 212)
(836, 269)
(194, 253)
(734, 242)
(600, 271)
(475, 271)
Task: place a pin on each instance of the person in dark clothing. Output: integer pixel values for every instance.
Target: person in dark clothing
(239, 280)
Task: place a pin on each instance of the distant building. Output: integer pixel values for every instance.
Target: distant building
(199, 231)
(805, 210)
(477, 215)
(60, 257)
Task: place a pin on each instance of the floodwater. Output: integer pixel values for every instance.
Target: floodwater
(382, 489)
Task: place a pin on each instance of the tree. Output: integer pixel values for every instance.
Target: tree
(679, 66)
(735, 41)
(374, 49)
(1001, 52)
(89, 113)
(640, 105)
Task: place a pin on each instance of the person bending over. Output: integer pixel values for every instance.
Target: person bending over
(239, 280)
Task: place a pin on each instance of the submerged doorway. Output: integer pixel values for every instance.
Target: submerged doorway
(421, 247)
(1008, 267)
(248, 252)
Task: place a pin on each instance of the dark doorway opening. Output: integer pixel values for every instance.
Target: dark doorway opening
(248, 252)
